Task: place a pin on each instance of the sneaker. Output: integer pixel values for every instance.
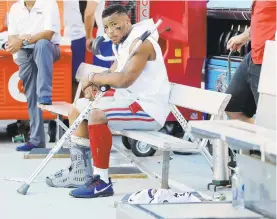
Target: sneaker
(95, 187)
(26, 147)
(45, 100)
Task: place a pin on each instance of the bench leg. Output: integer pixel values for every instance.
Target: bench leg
(220, 160)
(165, 170)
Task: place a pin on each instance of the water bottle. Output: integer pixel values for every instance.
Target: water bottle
(237, 190)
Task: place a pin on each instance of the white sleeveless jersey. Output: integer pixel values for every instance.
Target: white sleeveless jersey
(151, 89)
(74, 27)
(98, 17)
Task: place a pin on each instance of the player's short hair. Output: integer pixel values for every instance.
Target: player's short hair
(114, 9)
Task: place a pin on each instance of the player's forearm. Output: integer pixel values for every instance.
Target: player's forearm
(115, 79)
(246, 34)
(47, 35)
(89, 23)
(13, 37)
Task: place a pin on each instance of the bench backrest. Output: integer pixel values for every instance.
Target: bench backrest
(266, 109)
(197, 99)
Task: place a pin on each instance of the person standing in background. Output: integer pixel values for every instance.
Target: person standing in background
(74, 29)
(244, 84)
(79, 20)
(93, 14)
(33, 39)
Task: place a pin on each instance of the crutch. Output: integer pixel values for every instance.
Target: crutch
(24, 188)
(229, 66)
(96, 50)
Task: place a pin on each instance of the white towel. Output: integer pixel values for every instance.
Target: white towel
(157, 196)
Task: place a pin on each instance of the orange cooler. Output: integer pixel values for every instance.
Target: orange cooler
(13, 103)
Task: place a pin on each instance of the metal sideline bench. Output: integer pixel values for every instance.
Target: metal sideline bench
(260, 184)
(190, 98)
(197, 99)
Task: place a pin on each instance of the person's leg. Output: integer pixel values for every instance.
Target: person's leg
(251, 104)
(242, 105)
(241, 93)
(116, 115)
(100, 142)
(78, 48)
(28, 74)
(255, 71)
(80, 169)
(45, 54)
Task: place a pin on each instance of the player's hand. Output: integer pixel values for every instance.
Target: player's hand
(89, 43)
(14, 45)
(89, 89)
(236, 42)
(27, 37)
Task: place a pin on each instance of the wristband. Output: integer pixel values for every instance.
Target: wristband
(90, 80)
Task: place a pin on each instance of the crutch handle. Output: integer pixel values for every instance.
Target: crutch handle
(147, 33)
(105, 88)
(95, 47)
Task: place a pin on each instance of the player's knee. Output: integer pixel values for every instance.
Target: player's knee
(234, 115)
(42, 44)
(97, 116)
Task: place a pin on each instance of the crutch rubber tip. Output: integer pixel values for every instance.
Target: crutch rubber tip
(23, 189)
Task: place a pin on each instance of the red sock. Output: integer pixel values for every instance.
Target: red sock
(100, 138)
